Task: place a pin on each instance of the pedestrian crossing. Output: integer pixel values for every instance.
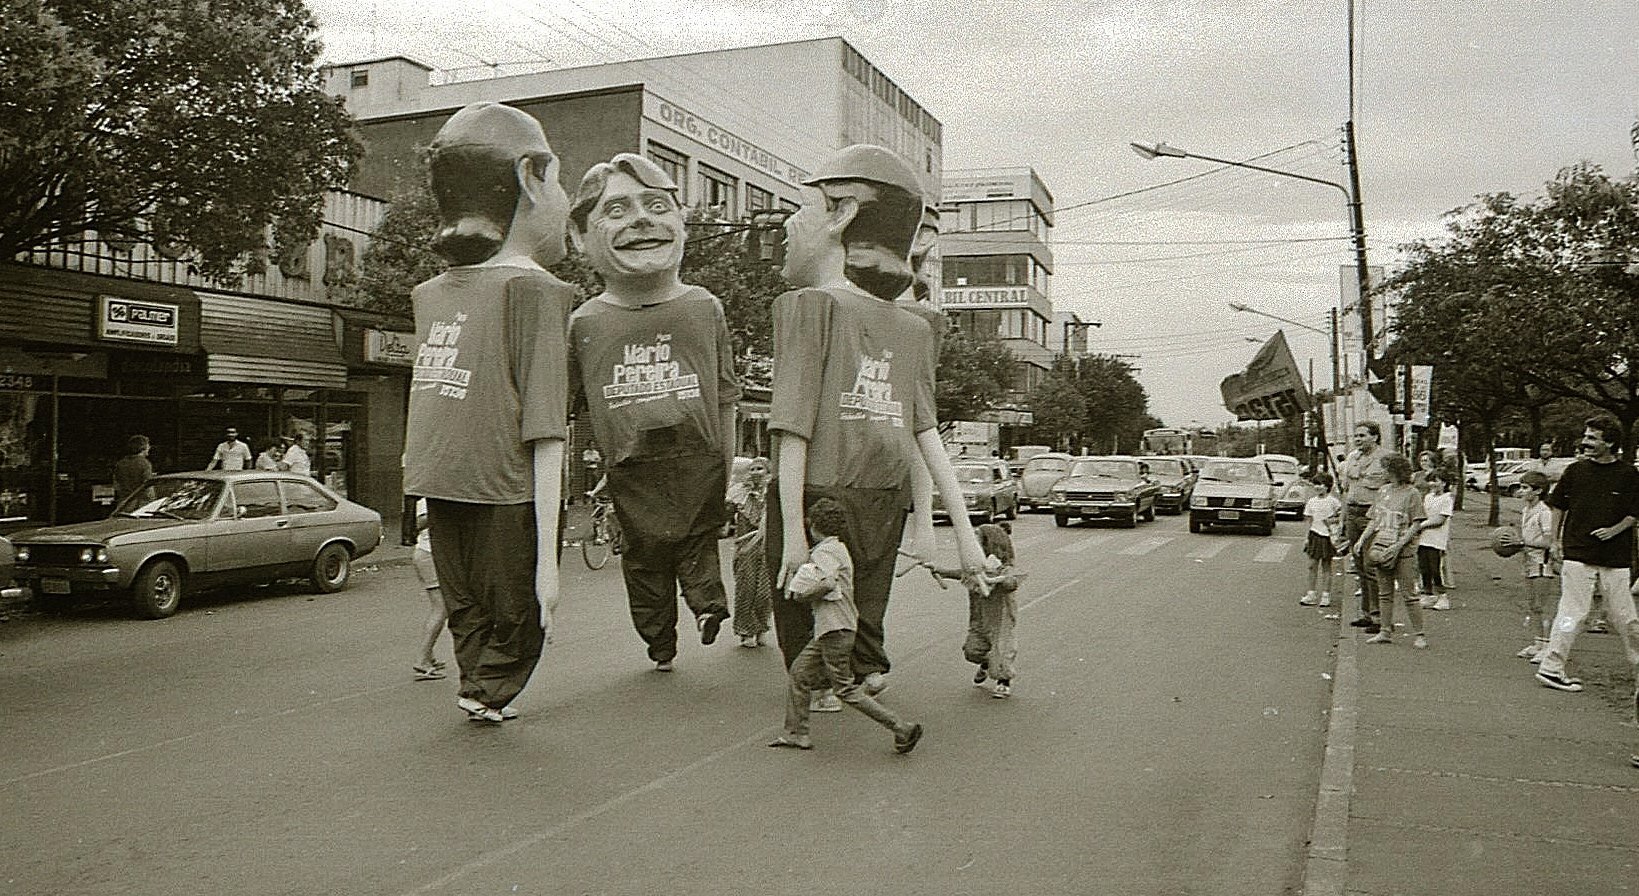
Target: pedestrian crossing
(1061, 545)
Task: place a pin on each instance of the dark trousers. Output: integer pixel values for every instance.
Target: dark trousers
(876, 521)
(825, 663)
(1354, 524)
(485, 558)
(670, 511)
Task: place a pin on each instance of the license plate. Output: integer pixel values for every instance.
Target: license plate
(55, 586)
(1229, 514)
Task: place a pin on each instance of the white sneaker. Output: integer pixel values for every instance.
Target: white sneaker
(478, 712)
(1308, 600)
(1444, 603)
(1325, 598)
(1426, 601)
(1528, 651)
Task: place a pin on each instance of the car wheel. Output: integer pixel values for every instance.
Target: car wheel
(1131, 522)
(1012, 510)
(1194, 524)
(1267, 528)
(1061, 520)
(157, 591)
(331, 568)
(1149, 515)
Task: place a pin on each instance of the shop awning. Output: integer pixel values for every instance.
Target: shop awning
(270, 342)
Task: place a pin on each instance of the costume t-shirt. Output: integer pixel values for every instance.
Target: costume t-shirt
(1594, 496)
(853, 375)
(655, 378)
(1398, 508)
(489, 379)
(1436, 508)
(1536, 524)
(1320, 510)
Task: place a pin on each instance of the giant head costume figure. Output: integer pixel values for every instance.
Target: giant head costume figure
(627, 221)
(495, 180)
(859, 217)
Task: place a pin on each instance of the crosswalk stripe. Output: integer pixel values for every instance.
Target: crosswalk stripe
(1082, 545)
(1209, 550)
(1274, 553)
(1144, 547)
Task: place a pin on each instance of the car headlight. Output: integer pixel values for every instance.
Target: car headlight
(98, 554)
(22, 554)
(102, 555)
(1261, 503)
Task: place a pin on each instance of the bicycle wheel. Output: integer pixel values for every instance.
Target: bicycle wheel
(594, 549)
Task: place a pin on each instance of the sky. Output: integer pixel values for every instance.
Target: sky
(1452, 100)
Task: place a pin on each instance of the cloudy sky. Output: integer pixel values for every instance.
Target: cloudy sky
(1453, 100)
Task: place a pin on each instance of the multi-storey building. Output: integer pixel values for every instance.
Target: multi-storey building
(995, 240)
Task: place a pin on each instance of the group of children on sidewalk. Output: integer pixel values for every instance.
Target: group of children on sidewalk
(1404, 545)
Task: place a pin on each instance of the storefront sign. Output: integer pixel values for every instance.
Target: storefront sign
(124, 320)
(138, 365)
(985, 296)
(676, 118)
(957, 188)
(389, 347)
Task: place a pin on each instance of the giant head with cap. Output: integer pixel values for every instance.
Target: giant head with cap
(627, 221)
(495, 180)
(858, 220)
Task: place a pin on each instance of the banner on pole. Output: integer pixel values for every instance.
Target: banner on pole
(1270, 388)
(1422, 380)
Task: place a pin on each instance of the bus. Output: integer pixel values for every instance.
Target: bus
(1180, 440)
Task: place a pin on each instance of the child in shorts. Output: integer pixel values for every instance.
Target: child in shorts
(1324, 513)
(826, 583)
(1432, 541)
(1536, 535)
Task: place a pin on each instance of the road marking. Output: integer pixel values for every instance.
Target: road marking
(1144, 547)
(1273, 553)
(1028, 604)
(1209, 550)
(1085, 543)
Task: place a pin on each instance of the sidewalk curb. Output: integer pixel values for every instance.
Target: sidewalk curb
(1326, 865)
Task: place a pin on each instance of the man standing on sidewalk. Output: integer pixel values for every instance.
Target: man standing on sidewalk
(1362, 478)
(1594, 505)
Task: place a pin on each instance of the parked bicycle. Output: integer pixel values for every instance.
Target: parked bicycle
(604, 537)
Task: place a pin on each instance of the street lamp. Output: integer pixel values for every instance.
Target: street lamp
(1331, 335)
(1357, 224)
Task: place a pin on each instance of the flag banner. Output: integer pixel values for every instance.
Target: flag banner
(1422, 382)
(1271, 388)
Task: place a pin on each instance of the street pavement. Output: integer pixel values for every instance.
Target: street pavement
(1175, 717)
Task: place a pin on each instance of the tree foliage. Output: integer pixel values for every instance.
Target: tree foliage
(203, 124)
(1059, 408)
(1094, 404)
(973, 375)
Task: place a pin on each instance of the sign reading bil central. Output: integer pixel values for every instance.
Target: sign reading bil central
(124, 320)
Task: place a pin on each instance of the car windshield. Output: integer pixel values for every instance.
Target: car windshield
(1165, 466)
(1046, 465)
(1235, 472)
(173, 498)
(1281, 465)
(972, 473)
(1106, 469)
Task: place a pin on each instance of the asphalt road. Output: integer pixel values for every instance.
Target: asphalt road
(1164, 736)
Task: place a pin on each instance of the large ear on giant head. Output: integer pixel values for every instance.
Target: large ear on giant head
(839, 213)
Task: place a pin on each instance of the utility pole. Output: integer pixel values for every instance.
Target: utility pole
(1357, 228)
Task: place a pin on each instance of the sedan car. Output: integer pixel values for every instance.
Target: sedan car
(1508, 475)
(1291, 493)
(987, 487)
(1111, 488)
(1040, 474)
(1176, 478)
(1233, 492)
(9, 590)
(187, 531)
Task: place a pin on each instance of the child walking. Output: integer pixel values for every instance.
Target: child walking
(1325, 515)
(1432, 541)
(1387, 548)
(991, 644)
(826, 582)
(1536, 531)
(428, 667)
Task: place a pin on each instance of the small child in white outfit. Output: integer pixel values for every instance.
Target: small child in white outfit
(1324, 513)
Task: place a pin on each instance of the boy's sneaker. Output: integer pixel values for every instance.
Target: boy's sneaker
(1559, 681)
(663, 666)
(1441, 603)
(478, 712)
(1325, 598)
(709, 624)
(508, 713)
(905, 741)
(980, 676)
(824, 701)
(1308, 599)
(1381, 637)
(874, 683)
(1421, 643)
(1529, 651)
(1002, 690)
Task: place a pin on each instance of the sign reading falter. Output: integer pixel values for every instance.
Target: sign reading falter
(1271, 388)
(125, 320)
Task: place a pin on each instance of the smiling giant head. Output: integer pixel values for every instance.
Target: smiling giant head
(626, 220)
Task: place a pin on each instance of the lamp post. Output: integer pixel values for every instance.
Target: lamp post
(1357, 223)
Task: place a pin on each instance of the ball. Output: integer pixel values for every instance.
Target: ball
(1505, 541)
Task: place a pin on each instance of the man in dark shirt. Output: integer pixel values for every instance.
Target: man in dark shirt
(1595, 505)
(132, 470)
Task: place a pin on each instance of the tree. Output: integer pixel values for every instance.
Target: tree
(1059, 408)
(747, 286)
(974, 371)
(1117, 405)
(201, 125)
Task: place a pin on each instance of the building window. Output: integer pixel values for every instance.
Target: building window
(360, 78)
(676, 166)
(721, 192)
(758, 199)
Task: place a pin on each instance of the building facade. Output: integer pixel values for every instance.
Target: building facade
(996, 247)
(101, 340)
